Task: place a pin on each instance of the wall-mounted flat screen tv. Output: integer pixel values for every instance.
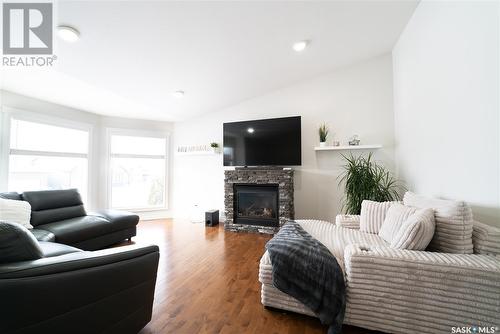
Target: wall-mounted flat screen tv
(264, 142)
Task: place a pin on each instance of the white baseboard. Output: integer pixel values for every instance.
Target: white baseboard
(156, 214)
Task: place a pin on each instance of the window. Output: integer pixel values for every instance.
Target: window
(138, 172)
(46, 157)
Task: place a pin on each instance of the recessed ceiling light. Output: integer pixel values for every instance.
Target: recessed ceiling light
(178, 94)
(300, 46)
(68, 34)
(250, 130)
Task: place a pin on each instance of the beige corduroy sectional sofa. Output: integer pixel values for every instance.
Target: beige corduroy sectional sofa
(451, 286)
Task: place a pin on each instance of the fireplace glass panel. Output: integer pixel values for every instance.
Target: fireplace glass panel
(257, 204)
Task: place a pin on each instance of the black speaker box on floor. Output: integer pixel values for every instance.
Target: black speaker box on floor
(212, 218)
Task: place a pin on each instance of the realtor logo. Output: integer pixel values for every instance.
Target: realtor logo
(27, 28)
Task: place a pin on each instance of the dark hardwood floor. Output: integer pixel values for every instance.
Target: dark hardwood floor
(208, 283)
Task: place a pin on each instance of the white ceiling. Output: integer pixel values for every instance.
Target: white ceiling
(133, 54)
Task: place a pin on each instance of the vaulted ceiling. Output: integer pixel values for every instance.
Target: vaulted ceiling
(133, 54)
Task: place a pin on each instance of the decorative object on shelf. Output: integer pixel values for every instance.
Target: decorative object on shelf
(336, 143)
(198, 149)
(354, 141)
(323, 134)
(364, 179)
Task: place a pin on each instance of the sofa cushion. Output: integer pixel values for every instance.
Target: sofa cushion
(416, 232)
(15, 211)
(74, 230)
(336, 238)
(373, 215)
(42, 235)
(50, 249)
(54, 205)
(17, 243)
(453, 220)
(105, 240)
(347, 221)
(120, 220)
(394, 219)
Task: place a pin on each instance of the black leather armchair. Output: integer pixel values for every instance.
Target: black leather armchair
(107, 291)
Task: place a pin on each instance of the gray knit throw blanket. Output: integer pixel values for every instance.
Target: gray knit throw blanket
(306, 270)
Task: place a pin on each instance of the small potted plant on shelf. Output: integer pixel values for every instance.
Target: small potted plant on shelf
(215, 147)
(323, 134)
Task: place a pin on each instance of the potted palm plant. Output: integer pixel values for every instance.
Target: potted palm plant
(323, 134)
(365, 179)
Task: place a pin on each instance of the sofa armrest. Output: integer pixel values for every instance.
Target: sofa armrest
(428, 263)
(108, 288)
(125, 218)
(348, 221)
(486, 239)
(74, 261)
(460, 288)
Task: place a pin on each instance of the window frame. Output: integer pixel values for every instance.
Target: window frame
(110, 132)
(8, 114)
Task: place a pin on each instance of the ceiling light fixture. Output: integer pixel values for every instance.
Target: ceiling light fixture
(300, 46)
(250, 130)
(68, 34)
(178, 94)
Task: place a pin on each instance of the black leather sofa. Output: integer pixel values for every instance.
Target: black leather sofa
(59, 215)
(55, 287)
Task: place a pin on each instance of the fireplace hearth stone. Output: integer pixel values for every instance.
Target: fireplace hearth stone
(255, 176)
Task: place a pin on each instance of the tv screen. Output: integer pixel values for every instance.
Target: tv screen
(265, 142)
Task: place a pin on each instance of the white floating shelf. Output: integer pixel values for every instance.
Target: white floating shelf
(348, 147)
(197, 153)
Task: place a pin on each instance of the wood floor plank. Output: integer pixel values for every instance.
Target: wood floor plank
(208, 283)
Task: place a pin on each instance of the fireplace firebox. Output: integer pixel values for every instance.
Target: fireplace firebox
(256, 204)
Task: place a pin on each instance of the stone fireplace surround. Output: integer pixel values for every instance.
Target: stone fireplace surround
(259, 175)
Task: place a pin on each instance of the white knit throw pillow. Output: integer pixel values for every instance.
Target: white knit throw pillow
(416, 232)
(394, 219)
(373, 215)
(453, 223)
(15, 212)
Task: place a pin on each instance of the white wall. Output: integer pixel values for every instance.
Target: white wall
(353, 100)
(446, 103)
(98, 153)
